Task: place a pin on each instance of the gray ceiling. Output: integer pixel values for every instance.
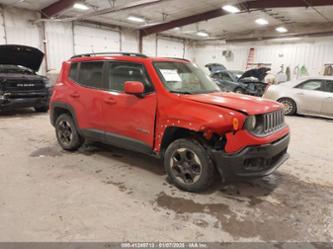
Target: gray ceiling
(233, 26)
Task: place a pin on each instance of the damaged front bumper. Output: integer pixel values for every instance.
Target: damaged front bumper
(24, 99)
(253, 161)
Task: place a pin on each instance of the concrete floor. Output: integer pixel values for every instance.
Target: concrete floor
(109, 194)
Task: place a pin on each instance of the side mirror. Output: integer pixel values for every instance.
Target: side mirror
(134, 87)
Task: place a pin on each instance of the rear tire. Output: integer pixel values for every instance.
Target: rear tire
(67, 134)
(41, 109)
(290, 107)
(189, 166)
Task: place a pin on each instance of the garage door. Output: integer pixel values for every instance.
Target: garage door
(170, 48)
(89, 39)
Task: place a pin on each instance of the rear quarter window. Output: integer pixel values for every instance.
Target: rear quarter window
(73, 71)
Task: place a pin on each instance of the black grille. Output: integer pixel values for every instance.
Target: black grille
(272, 121)
(23, 85)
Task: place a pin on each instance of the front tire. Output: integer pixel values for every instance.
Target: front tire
(189, 166)
(67, 134)
(289, 106)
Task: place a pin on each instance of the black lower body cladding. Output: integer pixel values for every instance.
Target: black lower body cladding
(253, 161)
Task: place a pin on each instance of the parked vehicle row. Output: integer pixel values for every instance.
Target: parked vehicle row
(250, 82)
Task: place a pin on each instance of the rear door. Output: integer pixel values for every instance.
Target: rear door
(309, 95)
(85, 93)
(327, 104)
(129, 117)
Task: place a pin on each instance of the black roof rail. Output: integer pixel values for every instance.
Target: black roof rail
(177, 58)
(110, 53)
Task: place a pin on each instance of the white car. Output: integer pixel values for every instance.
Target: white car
(309, 96)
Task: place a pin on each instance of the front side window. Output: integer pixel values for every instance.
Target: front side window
(120, 72)
(91, 74)
(314, 85)
(184, 78)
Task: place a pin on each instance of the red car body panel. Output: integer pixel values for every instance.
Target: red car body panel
(146, 119)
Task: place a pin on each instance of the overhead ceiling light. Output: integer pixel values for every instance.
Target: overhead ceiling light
(281, 29)
(231, 8)
(80, 6)
(202, 34)
(135, 19)
(261, 21)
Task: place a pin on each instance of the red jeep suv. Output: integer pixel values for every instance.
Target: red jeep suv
(168, 108)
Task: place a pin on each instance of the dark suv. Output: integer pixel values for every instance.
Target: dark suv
(170, 109)
(20, 85)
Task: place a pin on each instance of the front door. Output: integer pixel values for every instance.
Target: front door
(129, 119)
(310, 95)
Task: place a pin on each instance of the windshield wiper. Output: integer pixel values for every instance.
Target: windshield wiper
(180, 92)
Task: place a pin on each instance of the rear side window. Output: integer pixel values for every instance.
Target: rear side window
(120, 72)
(73, 71)
(91, 74)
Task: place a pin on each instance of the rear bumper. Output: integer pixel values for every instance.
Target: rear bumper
(28, 99)
(253, 161)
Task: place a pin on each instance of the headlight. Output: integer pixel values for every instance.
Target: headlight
(250, 123)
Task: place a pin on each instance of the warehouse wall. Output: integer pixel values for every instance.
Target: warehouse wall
(62, 40)
(311, 52)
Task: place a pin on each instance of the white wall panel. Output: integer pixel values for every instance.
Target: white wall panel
(313, 53)
(60, 43)
(20, 29)
(129, 41)
(91, 39)
(149, 45)
(170, 47)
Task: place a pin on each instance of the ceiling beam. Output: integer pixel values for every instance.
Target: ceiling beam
(267, 4)
(57, 7)
(246, 5)
(182, 21)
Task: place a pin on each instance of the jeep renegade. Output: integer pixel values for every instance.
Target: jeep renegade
(169, 108)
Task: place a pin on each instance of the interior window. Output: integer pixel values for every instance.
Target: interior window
(329, 86)
(73, 71)
(315, 85)
(225, 76)
(91, 74)
(120, 72)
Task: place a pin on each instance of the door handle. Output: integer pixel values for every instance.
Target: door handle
(110, 101)
(300, 93)
(75, 95)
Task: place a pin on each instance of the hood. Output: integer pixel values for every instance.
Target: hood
(21, 55)
(243, 103)
(213, 67)
(259, 73)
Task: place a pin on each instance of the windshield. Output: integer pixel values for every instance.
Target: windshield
(184, 78)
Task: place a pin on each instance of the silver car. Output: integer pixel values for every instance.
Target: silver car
(309, 96)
